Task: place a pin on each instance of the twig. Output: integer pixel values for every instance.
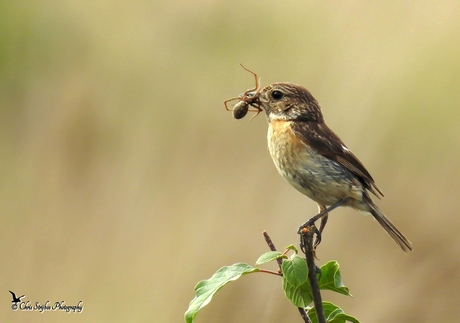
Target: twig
(304, 315)
(277, 273)
(272, 247)
(306, 237)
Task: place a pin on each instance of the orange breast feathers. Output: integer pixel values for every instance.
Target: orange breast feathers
(283, 142)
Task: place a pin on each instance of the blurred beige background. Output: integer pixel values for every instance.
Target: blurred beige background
(124, 181)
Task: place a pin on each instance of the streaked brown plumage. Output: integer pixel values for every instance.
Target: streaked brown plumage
(312, 158)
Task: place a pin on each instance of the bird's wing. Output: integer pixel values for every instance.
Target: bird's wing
(322, 139)
(14, 295)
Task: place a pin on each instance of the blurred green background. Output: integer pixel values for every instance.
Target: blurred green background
(124, 181)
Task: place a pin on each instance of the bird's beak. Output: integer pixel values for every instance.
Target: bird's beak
(248, 94)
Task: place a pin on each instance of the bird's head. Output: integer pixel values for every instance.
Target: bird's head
(287, 101)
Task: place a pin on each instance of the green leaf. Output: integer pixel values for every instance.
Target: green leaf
(295, 281)
(291, 247)
(295, 270)
(205, 289)
(330, 278)
(269, 256)
(300, 296)
(333, 313)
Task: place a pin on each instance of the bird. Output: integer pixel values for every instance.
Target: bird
(16, 299)
(312, 158)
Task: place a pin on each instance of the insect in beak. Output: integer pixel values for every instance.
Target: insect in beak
(246, 99)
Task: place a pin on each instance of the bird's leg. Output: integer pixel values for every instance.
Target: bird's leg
(321, 214)
(321, 226)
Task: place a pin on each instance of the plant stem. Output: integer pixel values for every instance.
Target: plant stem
(272, 247)
(306, 237)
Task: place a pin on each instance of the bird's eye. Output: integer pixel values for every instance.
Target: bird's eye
(277, 95)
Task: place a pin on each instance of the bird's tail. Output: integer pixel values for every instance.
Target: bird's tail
(397, 236)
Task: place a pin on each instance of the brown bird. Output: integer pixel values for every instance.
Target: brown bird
(312, 158)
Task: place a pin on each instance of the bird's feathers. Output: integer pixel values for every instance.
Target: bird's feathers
(322, 139)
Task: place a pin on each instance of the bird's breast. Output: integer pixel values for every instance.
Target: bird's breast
(288, 152)
(321, 179)
(284, 145)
